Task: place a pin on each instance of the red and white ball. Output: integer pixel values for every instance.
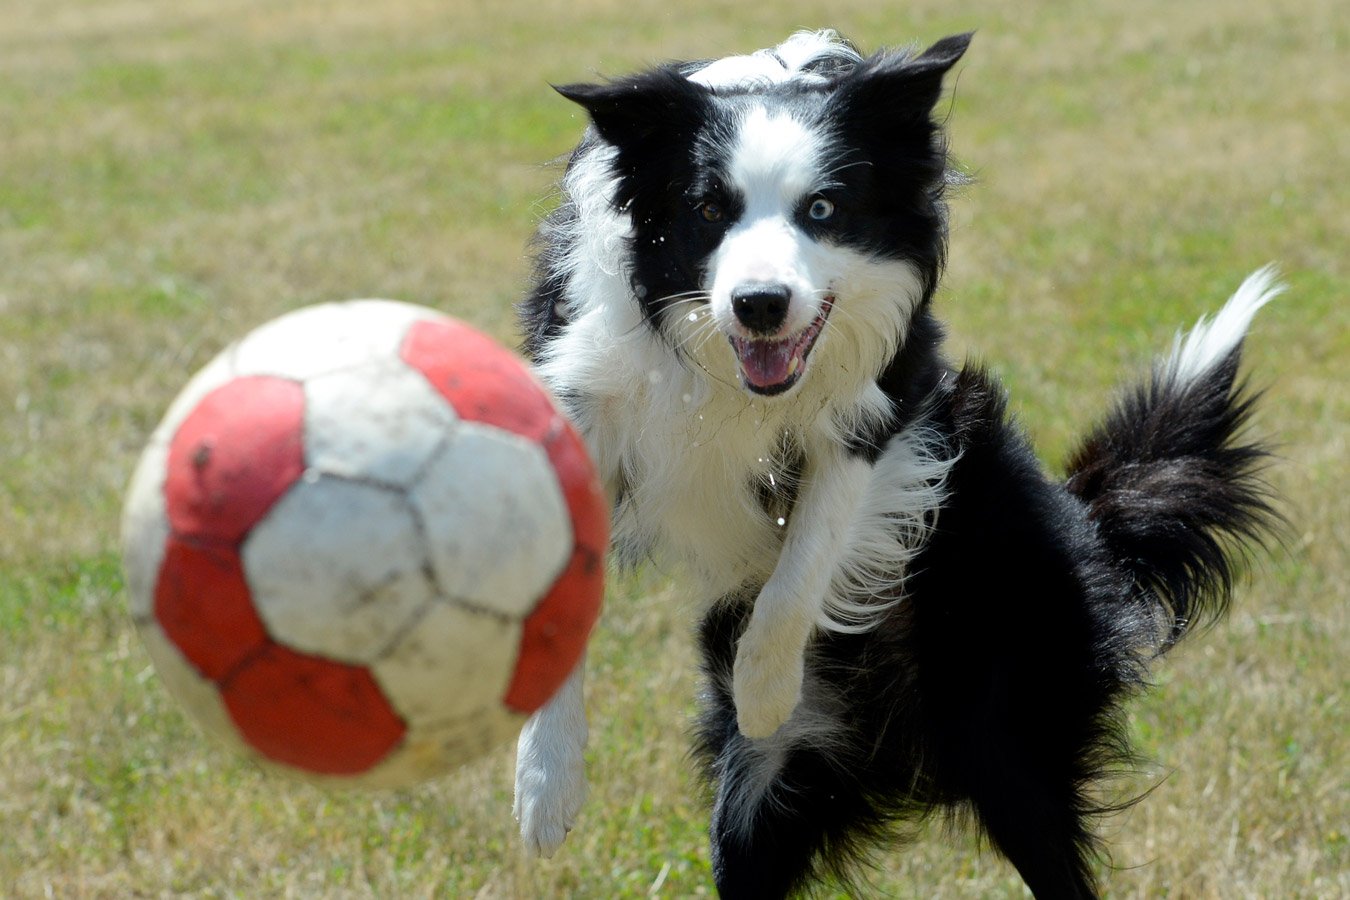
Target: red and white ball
(363, 544)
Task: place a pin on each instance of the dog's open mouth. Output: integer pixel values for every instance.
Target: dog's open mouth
(772, 365)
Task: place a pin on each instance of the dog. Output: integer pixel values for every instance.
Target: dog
(904, 612)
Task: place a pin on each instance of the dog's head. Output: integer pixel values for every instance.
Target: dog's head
(783, 206)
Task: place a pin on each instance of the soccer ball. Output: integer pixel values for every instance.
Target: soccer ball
(363, 544)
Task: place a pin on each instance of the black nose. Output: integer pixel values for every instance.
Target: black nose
(761, 308)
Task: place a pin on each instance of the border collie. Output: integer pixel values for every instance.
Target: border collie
(904, 612)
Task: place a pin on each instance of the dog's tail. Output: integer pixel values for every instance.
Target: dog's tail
(1171, 483)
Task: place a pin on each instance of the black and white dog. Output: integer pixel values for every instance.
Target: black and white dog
(734, 301)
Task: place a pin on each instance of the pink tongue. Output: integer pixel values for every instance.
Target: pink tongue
(765, 363)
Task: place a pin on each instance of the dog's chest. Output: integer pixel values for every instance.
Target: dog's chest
(710, 490)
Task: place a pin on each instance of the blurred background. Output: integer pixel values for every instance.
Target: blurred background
(175, 173)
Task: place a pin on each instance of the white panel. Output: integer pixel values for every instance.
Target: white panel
(336, 568)
(327, 338)
(381, 421)
(452, 663)
(496, 522)
(439, 749)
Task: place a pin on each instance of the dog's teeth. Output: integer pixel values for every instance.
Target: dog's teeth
(793, 364)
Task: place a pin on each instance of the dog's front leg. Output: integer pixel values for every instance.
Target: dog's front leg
(767, 678)
(551, 768)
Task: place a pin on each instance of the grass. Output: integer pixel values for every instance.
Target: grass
(174, 173)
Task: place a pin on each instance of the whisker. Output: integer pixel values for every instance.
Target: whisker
(829, 174)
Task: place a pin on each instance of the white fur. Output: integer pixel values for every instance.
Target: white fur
(551, 768)
(680, 444)
(897, 512)
(1210, 342)
(784, 62)
(776, 162)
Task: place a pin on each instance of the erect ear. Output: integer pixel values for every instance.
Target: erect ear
(634, 111)
(944, 54)
(897, 86)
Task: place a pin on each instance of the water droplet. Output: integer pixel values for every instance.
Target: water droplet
(773, 483)
(693, 317)
(781, 521)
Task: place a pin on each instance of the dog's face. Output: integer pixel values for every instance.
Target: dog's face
(778, 213)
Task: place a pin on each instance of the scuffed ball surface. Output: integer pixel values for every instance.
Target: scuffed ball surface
(363, 544)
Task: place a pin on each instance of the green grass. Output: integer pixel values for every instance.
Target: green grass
(172, 174)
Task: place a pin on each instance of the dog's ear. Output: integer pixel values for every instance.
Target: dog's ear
(899, 87)
(640, 110)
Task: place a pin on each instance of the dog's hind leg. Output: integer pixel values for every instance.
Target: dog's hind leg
(1037, 823)
(787, 807)
(776, 805)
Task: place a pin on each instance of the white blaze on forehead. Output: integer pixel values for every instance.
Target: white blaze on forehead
(774, 162)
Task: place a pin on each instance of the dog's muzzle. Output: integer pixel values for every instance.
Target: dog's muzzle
(772, 365)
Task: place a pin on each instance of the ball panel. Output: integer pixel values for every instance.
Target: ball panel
(328, 337)
(453, 662)
(233, 456)
(483, 381)
(554, 635)
(337, 568)
(202, 602)
(501, 528)
(314, 714)
(194, 692)
(430, 751)
(145, 528)
(556, 632)
(380, 422)
(585, 495)
(304, 472)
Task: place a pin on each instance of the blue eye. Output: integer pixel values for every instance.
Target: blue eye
(820, 209)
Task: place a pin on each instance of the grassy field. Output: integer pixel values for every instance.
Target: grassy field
(172, 173)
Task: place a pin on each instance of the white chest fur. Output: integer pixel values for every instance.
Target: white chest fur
(686, 459)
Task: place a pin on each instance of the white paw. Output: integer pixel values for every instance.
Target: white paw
(551, 769)
(766, 681)
(547, 803)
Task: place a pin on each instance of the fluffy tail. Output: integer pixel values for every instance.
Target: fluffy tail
(1169, 480)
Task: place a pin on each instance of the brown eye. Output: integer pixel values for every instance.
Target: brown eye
(711, 211)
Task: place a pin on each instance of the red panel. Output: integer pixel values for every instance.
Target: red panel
(487, 383)
(555, 634)
(202, 602)
(321, 716)
(484, 381)
(238, 450)
(581, 486)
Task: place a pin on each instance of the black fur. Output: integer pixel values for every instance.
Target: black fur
(996, 686)
(993, 684)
